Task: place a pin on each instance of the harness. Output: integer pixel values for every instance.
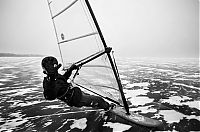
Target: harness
(67, 95)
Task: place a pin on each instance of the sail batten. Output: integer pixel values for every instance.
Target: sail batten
(65, 9)
(79, 37)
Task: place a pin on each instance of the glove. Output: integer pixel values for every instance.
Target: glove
(73, 67)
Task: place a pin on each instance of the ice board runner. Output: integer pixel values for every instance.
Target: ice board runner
(136, 118)
(81, 42)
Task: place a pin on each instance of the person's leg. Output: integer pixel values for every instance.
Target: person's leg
(93, 101)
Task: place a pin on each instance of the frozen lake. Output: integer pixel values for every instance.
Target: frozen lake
(163, 89)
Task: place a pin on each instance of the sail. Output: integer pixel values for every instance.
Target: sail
(80, 42)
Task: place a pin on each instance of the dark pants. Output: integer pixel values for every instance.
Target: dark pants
(93, 101)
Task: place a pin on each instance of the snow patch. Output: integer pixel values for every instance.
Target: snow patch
(138, 100)
(176, 100)
(173, 116)
(80, 124)
(13, 123)
(6, 67)
(145, 109)
(134, 93)
(125, 81)
(143, 84)
(122, 76)
(117, 127)
(4, 80)
(53, 106)
(28, 103)
(47, 123)
(188, 86)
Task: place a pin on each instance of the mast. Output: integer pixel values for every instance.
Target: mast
(109, 56)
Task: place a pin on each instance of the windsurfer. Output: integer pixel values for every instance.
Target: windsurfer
(56, 86)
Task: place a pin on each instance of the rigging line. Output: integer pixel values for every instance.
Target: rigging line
(84, 80)
(89, 83)
(89, 21)
(99, 94)
(104, 86)
(98, 40)
(115, 65)
(86, 14)
(105, 61)
(55, 30)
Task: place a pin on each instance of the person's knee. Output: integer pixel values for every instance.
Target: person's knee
(98, 99)
(102, 103)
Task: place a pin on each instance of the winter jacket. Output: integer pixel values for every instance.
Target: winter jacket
(58, 87)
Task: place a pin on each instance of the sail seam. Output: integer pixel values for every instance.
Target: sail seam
(65, 9)
(89, 21)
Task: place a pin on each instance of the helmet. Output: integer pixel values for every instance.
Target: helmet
(49, 65)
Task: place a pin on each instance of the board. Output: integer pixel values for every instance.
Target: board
(136, 118)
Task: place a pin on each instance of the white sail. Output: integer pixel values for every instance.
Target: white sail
(80, 42)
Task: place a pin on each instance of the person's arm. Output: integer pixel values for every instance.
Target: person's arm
(68, 73)
(50, 92)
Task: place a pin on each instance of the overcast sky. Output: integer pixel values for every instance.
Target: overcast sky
(134, 28)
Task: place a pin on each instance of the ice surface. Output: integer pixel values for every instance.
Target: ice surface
(174, 84)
